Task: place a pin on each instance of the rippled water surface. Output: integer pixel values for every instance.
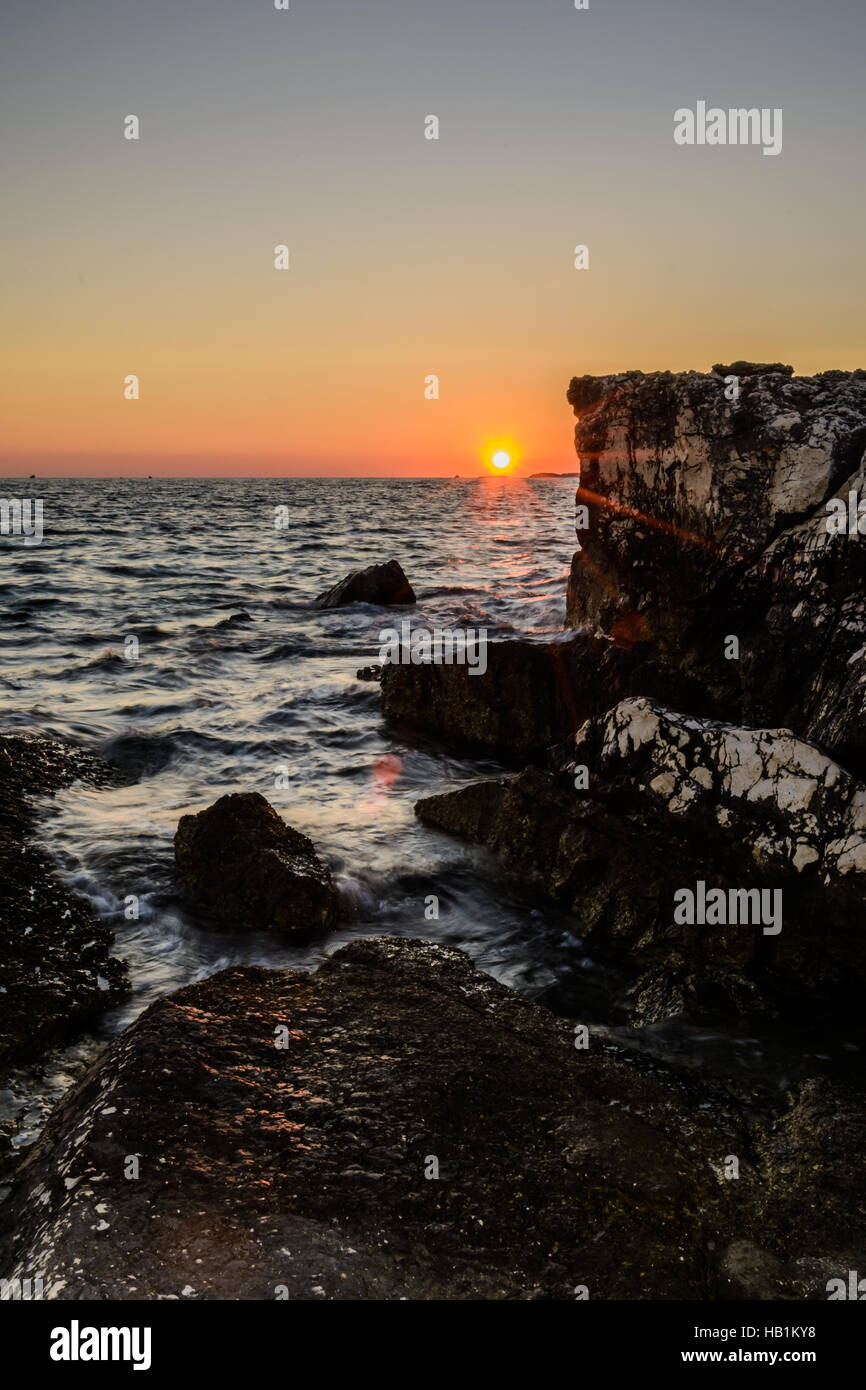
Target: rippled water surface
(209, 708)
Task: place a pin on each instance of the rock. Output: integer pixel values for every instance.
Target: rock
(532, 695)
(708, 519)
(57, 973)
(385, 585)
(235, 620)
(674, 800)
(788, 806)
(304, 1168)
(369, 673)
(741, 368)
(310, 1170)
(613, 873)
(240, 864)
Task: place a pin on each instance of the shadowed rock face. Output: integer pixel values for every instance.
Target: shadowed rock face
(707, 518)
(532, 695)
(57, 973)
(675, 800)
(304, 1168)
(385, 585)
(240, 864)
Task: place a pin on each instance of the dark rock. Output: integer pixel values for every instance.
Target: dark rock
(305, 1167)
(369, 673)
(235, 620)
(674, 800)
(241, 865)
(302, 1169)
(614, 873)
(707, 518)
(385, 585)
(742, 368)
(532, 695)
(57, 973)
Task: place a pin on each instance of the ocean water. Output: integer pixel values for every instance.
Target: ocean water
(209, 708)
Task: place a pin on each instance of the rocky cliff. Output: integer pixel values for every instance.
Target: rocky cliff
(704, 519)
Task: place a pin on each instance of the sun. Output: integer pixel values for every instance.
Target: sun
(501, 455)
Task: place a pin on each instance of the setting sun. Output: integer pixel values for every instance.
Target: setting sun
(501, 455)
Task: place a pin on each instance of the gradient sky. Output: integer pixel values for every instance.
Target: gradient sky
(409, 256)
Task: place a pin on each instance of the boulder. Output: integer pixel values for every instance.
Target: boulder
(239, 864)
(384, 585)
(398, 1125)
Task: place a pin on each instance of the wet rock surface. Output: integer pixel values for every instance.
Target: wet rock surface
(385, 585)
(240, 865)
(57, 973)
(301, 1170)
(707, 518)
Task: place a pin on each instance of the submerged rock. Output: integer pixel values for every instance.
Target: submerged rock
(385, 585)
(706, 519)
(235, 620)
(57, 973)
(240, 864)
(424, 1133)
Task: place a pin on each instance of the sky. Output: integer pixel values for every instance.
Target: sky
(408, 257)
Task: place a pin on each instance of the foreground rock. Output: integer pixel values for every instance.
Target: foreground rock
(57, 973)
(267, 1172)
(674, 801)
(708, 519)
(385, 585)
(240, 864)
